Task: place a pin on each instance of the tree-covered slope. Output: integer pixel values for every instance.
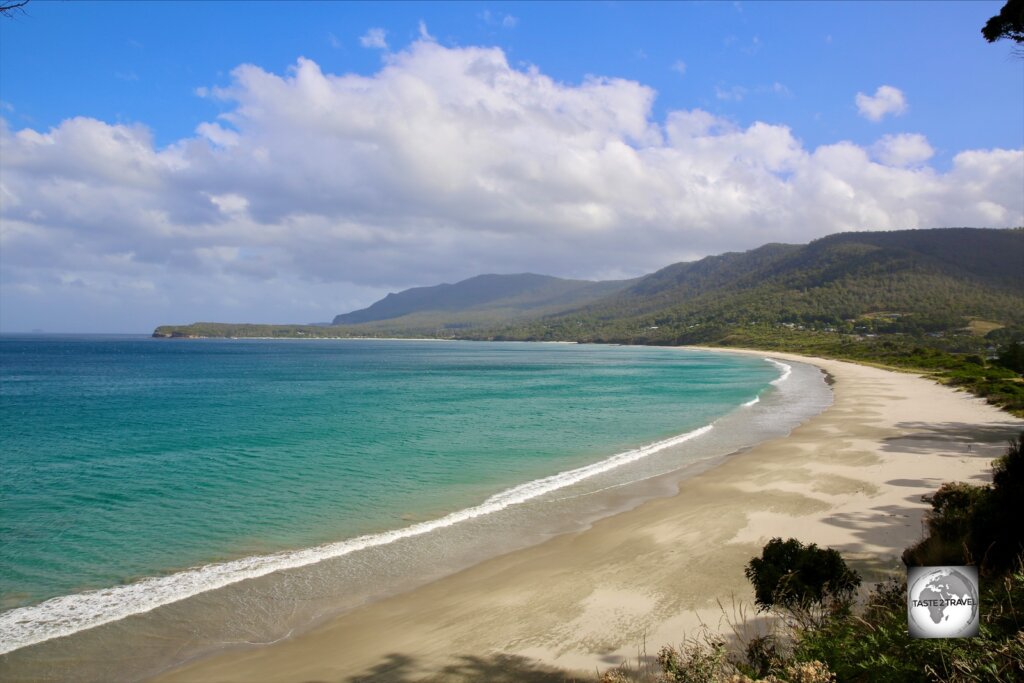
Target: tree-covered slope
(908, 281)
(490, 297)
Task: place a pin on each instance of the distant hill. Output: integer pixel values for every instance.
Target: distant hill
(912, 282)
(483, 299)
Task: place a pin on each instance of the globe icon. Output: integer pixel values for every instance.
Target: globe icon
(942, 602)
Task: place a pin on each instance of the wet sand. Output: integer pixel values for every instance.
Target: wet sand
(851, 478)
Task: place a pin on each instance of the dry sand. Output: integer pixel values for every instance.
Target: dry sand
(851, 478)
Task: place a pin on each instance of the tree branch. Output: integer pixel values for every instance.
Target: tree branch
(8, 9)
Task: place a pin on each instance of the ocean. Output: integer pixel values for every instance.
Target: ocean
(184, 495)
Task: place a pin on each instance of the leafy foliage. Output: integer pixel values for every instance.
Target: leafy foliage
(795, 577)
(876, 647)
(1009, 23)
(700, 662)
(872, 644)
(977, 524)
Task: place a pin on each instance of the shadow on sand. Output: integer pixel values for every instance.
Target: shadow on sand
(952, 439)
(498, 668)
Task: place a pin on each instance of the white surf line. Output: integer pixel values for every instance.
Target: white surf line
(68, 614)
(787, 370)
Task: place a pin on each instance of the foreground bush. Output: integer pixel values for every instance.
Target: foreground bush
(970, 524)
(807, 582)
(823, 639)
(874, 646)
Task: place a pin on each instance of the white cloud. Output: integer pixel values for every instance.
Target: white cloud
(735, 93)
(679, 67)
(498, 19)
(907, 149)
(424, 33)
(375, 38)
(217, 134)
(331, 190)
(886, 100)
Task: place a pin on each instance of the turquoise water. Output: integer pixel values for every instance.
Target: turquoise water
(125, 458)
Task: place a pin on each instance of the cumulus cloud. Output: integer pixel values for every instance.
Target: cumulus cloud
(316, 193)
(679, 66)
(886, 100)
(908, 149)
(375, 38)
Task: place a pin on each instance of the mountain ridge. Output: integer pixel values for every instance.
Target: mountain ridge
(526, 292)
(925, 279)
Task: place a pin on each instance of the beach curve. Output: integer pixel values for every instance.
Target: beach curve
(850, 478)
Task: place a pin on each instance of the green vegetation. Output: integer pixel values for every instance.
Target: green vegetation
(982, 366)
(230, 330)
(871, 644)
(799, 578)
(971, 524)
(948, 303)
(874, 645)
(482, 300)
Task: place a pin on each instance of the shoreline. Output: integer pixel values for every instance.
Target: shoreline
(849, 478)
(139, 616)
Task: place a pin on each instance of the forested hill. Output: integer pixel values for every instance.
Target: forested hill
(496, 296)
(912, 281)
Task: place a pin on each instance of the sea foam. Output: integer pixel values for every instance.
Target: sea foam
(68, 614)
(787, 370)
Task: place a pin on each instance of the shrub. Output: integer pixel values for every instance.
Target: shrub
(802, 580)
(971, 524)
(700, 660)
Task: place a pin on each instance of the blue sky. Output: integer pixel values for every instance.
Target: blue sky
(283, 162)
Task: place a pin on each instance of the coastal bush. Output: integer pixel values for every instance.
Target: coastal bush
(1012, 357)
(875, 646)
(871, 643)
(949, 523)
(967, 524)
(699, 660)
(970, 524)
(807, 582)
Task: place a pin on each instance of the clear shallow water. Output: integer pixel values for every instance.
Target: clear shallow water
(133, 458)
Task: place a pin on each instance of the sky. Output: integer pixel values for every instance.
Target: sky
(166, 163)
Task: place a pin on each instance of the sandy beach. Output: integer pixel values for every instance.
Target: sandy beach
(851, 478)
